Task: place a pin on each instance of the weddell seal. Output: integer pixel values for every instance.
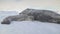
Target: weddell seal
(34, 15)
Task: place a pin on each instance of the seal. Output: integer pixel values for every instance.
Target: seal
(34, 15)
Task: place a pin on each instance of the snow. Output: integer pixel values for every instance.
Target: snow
(4, 14)
(28, 27)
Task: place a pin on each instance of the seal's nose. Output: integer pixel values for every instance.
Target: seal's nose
(5, 22)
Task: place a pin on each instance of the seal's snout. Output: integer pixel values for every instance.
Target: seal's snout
(5, 22)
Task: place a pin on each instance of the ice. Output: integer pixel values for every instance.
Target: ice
(29, 27)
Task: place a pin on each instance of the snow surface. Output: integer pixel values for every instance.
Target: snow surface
(28, 27)
(4, 14)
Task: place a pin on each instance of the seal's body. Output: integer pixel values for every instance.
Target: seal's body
(43, 15)
(34, 14)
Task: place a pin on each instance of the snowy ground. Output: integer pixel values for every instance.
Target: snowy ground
(28, 27)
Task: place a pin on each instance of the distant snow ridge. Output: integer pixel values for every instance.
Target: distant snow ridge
(8, 12)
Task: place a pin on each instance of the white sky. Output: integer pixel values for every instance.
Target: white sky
(19, 5)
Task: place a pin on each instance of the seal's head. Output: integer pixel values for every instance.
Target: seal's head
(5, 22)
